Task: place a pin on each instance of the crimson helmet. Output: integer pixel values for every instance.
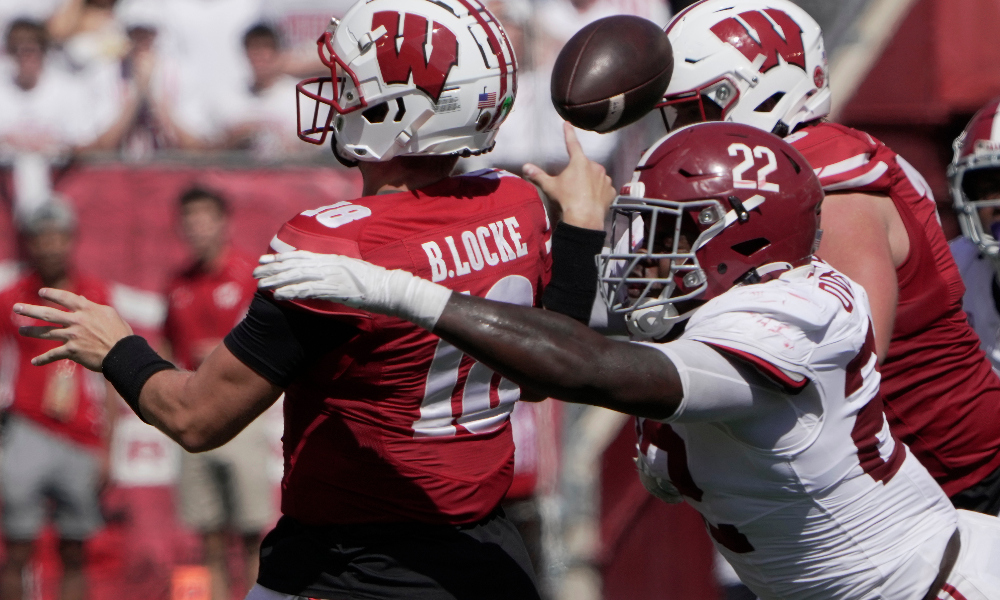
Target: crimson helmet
(410, 77)
(977, 153)
(722, 204)
(758, 62)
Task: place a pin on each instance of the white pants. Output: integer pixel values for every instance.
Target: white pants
(976, 575)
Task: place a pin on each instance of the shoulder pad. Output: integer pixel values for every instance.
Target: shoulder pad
(775, 326)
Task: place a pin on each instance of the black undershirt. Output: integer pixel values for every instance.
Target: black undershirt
(278, 341)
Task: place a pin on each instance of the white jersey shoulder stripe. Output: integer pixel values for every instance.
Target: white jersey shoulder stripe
(848, 164)
(279, 246)
(868, 178)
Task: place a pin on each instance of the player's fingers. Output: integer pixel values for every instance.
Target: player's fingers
(63, 298)
(51, 356)
(44, 313)
(573, 147)
(266, 259)
(43, 332)
(537, 176)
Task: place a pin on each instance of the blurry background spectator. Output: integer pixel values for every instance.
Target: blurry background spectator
(58, 420)
(257, 114)
(226, 491)
(45, 109)
(88, 32)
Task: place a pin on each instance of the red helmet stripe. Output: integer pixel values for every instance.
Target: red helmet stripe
(495, 47)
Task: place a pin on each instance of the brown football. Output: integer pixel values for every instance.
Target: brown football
(611, 73)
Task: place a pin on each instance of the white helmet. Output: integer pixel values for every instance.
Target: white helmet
(757, 62)
(411, 77)
(977, 157)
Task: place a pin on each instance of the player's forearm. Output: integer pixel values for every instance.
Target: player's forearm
(204, 409)
(173, 404)
(561, 358)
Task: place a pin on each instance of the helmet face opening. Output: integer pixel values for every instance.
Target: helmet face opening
(708, 103)
(974, 178)
(655, 262)
(340, 93)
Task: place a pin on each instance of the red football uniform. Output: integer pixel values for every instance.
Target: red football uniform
(202, 306)
(941, 396)
(63, 397)
(397, 424)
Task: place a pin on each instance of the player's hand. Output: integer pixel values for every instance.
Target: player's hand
(88, 330)
(302, 275)
(583, 189)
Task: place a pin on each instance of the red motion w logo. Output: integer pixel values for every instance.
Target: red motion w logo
(397, 65)
(771, 45)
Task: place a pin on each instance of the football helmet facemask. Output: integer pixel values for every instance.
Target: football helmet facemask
(758, 62)
(710, 206)
(974, 180)
(410, 77)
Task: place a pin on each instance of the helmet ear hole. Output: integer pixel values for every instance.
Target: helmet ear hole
(401, 110)
(751, 247)
(377, 113)
(769, 104)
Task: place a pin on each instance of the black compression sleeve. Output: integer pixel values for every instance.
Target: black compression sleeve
(278, 341)
(574, 271)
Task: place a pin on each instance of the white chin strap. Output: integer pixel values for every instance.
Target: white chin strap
(653, 322)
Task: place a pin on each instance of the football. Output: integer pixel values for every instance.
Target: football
(611, 73)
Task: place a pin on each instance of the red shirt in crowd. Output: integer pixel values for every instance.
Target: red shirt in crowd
(397, 425)
(941, 396)
(203, 305)
(62, 397)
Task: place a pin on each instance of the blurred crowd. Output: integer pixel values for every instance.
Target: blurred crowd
(135, 80)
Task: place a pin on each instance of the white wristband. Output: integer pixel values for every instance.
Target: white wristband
(414, 299)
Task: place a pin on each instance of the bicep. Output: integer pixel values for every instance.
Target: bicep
(856, 242)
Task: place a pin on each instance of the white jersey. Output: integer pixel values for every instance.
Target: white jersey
(785, 451)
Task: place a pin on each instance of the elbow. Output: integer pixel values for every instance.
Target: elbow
(194, 437)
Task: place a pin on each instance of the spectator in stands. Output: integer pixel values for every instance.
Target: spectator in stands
(57, 428)
(146, 100)
(225, 490)
(257, 116)
(88, 32)
(45, 110)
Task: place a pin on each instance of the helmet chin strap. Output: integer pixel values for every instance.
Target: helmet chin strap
(654, 322)
(347, 162)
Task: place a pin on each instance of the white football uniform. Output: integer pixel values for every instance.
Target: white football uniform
(781, 444)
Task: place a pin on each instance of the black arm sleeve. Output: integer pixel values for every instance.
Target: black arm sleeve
(574, 271)
(278, 341)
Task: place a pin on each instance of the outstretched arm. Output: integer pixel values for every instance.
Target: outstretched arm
(540, 350)
(561, 358)
(200, 410)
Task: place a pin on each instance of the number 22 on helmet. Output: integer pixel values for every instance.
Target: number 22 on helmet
(410, 77)
(709, 207)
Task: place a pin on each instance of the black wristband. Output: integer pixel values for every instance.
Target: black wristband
(573, 285)
(129, 364)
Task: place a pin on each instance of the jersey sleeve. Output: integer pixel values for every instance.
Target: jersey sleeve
(844, 159)
(716, 388)
(277, 342)
(769, 327)
(303, 233)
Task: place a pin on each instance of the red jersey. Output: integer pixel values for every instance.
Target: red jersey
(202, 306)
(396, 424)
(941, 396)
(62, 397)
